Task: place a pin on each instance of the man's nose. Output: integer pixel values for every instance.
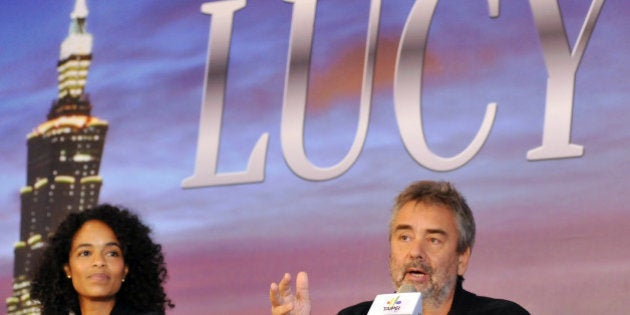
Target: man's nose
(417, 249)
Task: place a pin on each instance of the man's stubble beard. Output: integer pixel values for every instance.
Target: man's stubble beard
(433, 294)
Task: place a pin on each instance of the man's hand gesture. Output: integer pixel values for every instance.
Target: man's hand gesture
(284, 302)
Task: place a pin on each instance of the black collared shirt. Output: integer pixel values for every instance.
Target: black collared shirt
(464, 303)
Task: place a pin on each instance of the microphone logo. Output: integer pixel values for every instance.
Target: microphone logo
(393, 304)
(405, 302)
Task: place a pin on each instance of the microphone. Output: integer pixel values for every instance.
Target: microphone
(406, 301)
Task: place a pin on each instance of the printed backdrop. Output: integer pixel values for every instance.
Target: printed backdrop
(553, 230)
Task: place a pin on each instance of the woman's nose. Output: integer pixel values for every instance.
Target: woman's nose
(98, 261)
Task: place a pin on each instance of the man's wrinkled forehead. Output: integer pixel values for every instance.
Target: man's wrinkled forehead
(394, 225)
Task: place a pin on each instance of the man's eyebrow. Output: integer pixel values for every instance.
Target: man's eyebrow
(409, 227)
(436, 231)
(402, 227)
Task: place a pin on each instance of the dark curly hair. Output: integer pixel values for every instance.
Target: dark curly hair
(143, 287)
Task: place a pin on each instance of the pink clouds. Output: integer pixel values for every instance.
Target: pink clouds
(236, 275)
(574, 260)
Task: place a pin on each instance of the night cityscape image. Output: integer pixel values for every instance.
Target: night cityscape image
(260, 138)
(64, 156)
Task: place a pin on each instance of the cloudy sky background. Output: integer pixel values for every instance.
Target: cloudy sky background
(553, 235)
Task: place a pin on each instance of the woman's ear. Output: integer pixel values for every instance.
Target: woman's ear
(67, 270)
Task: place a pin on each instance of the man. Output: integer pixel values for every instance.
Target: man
(431, 235)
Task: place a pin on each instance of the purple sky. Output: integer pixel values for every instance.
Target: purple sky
(553, 235)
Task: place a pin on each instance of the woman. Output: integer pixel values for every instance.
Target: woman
(101, 261)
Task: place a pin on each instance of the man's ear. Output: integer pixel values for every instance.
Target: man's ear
(462, 263)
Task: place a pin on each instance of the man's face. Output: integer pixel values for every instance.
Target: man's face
(423, 250)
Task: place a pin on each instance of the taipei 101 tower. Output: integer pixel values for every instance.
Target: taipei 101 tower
(64, 156)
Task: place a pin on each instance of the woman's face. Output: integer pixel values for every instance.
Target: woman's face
(96, 264)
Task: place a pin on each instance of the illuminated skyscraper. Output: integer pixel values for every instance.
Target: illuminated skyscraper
(64, 156)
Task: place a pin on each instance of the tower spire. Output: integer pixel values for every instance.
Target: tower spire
(75, 54)
(80, 10)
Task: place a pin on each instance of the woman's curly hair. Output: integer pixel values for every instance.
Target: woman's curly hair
(143, 287)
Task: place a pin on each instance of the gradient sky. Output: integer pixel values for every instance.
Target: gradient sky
(553, 235)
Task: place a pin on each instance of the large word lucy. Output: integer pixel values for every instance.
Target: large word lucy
(561, 62)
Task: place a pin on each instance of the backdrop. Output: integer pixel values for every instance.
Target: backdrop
(522, 104)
